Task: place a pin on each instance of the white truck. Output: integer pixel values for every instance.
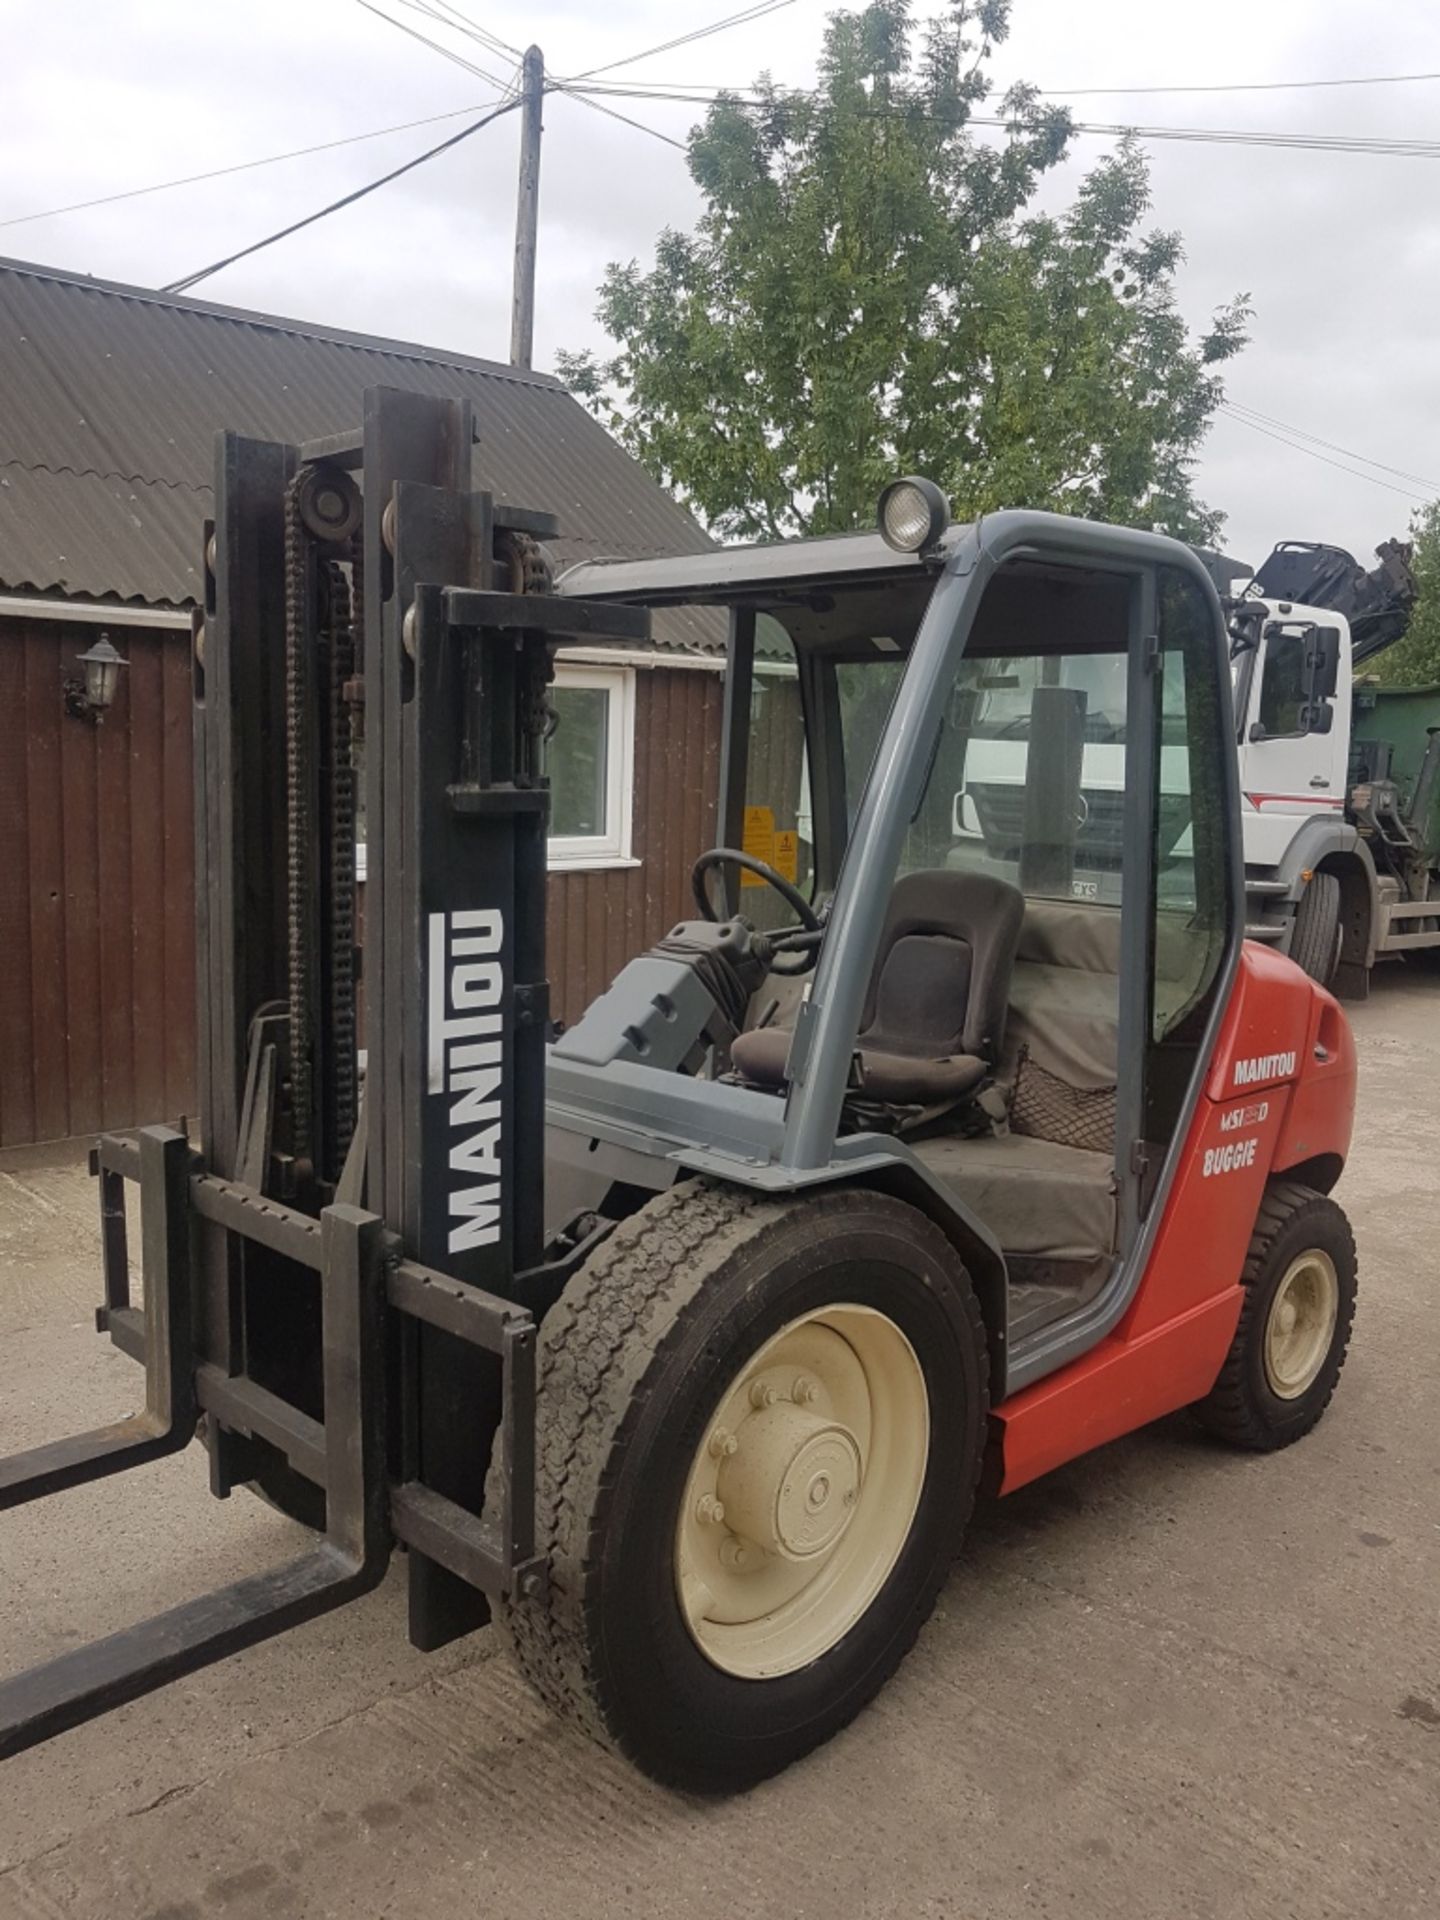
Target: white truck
(1338, 777)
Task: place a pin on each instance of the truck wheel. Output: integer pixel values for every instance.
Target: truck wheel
(1294, 1328)
(761, 1425)
(1315, 945)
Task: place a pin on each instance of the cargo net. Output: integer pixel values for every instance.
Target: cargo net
(1049, 1108)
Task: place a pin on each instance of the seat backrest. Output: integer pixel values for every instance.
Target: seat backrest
(941, 982)
(1064, 1024)
(1071, 933)
(1065, 992)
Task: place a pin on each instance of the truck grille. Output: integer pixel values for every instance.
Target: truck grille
(1098, 843)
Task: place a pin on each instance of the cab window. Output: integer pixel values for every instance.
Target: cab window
(778, 825)
(1282, 685)
(1192, 907)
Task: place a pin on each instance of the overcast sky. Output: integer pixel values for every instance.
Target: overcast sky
(1339, 252)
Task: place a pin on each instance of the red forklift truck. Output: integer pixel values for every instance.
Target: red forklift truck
(957, 1133)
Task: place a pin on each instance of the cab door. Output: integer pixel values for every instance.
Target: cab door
(1292, 751)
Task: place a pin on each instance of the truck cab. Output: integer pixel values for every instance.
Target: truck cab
(1292, 689)
(1339, 852)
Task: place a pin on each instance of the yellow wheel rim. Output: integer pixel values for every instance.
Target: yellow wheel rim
(802, 1492)
(1300, 1326)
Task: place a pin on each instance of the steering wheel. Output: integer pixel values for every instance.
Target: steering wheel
(802, 942)
(732, 857)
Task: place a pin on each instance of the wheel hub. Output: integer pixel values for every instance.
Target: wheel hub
(802, 1491)
(792, 1483)
(1301, 1324)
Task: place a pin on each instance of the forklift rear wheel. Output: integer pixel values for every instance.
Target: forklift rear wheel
(761, 1425)
(1294, 1326)
(1315, 945)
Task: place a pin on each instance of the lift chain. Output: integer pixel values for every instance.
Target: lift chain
(299, 874)
(355, 693)
(342, 865)
(531, 572)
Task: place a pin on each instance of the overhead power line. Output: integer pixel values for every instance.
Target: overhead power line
(1403, 148)
(349, 199)
(462, 23)
(741, 19)
(1269, 420)
(447, 16)
(1298, 446)
(446, 53)
(240, 166)
(1248, 86)
(1077, 93)
(584, 100)
(703, 94)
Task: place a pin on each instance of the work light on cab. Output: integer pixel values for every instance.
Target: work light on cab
(913, 514)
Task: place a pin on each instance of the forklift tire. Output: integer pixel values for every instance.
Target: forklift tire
(1294, 1327)
(1315, 944)
(782, 1360)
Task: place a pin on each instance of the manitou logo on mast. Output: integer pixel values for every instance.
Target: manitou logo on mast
(465, 1060)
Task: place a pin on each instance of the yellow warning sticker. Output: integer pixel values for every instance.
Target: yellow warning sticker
(759, 841)
(786, 857)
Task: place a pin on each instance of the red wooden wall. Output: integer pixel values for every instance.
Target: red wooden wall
(97, 931)
(97, 972)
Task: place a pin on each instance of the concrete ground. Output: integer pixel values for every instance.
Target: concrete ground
(1167, 1682)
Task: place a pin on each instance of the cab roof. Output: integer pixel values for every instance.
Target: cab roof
(733, 573)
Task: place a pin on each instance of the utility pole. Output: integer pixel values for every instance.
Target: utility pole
(527, 210)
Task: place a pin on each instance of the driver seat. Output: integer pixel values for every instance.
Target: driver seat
(934, 1018)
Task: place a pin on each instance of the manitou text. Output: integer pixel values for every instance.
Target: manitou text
(465, 1063)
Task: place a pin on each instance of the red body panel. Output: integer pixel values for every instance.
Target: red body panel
(1280, 1091)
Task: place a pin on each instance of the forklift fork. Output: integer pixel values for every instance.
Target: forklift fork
(168, 1422)
(367, 1294)
(354, 1551)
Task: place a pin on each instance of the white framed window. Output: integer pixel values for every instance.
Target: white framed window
(590, 760)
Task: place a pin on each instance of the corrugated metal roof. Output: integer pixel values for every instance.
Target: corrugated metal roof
(112, 396)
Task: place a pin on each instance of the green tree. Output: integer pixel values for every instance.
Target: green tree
(1415, 660)
(868, 294)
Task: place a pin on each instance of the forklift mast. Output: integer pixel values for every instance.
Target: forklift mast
(342, 1282)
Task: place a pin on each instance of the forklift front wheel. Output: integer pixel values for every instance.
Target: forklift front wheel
(1294, 1326)
(761, 1425)
(802, 1493)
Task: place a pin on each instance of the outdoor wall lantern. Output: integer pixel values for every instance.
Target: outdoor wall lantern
(89, 698)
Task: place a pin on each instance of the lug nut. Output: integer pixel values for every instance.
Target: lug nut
(733, 1554)
(804, 1391)
(763, 1396)
(723, 1443)
(709, 1511)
